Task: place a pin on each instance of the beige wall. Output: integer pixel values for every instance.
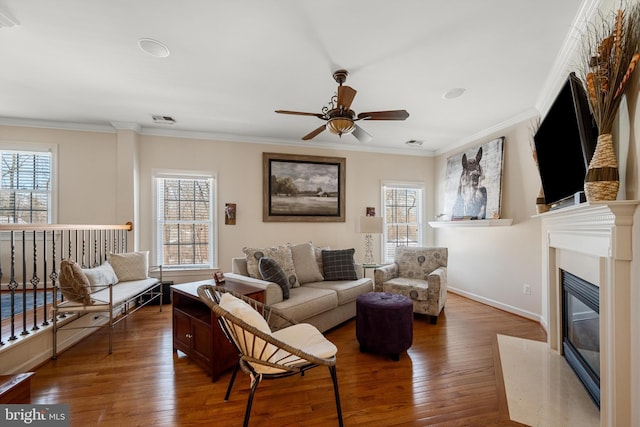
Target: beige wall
(238, 167)
(491, 264)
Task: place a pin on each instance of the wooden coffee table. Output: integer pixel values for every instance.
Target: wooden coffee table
(196, 331)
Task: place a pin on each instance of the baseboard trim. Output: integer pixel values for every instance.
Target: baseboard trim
(496, 304)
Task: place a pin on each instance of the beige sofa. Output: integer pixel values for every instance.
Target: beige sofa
(322, 303)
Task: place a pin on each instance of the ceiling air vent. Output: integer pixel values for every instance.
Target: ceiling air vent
(163, 120)
(414, 143)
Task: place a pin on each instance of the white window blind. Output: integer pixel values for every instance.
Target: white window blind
(402, 217)
(25, 187)
(185, 222)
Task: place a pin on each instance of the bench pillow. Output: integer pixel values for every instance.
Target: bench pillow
(74, 284)
(130, 265)
(101, 275)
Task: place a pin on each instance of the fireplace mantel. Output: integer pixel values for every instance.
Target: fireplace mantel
(594, 241)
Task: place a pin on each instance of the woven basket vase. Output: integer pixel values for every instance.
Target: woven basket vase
(602, 181)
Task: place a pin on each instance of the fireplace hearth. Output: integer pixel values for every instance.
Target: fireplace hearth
(581, 330)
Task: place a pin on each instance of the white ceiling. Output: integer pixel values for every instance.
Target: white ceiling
(233, 63)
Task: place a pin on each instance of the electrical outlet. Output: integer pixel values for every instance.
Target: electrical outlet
(526, 289)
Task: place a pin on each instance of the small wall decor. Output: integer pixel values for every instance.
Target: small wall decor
(230, 213)
(299, 188)
(371, 211)
(474, 182)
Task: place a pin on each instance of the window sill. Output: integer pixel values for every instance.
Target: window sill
(472, 223)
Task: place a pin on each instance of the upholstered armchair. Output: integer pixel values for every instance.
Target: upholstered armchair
(419, 273)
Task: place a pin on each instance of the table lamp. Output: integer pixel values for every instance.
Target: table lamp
(369, 225)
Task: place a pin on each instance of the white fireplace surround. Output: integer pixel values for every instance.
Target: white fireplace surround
(593, 241)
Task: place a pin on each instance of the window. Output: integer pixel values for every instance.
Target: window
(25, 187)
(185, 222)
(402, 205)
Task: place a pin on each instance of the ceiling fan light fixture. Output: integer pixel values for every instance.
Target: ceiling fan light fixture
(340, 125)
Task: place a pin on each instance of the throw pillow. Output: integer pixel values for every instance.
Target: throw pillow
(74, 284)
(281, 254)
(130, 265)
(305, 263)
(318, 252)
(271, 272)
(101, 275)
(339, 265)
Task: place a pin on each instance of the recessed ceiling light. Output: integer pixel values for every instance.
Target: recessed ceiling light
(456, 92)
(154, 48)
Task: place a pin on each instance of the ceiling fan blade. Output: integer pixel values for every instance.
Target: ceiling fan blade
(314, 133)
(384, 115)
(361, 134)
(345, 96)
(300, 113)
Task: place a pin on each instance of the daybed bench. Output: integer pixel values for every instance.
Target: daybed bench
(320, 286)
(114, 288)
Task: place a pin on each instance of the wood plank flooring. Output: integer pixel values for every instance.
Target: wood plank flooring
(447, 378)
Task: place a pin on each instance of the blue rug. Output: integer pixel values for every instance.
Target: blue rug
(5, 299)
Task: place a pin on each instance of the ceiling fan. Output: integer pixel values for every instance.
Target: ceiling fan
(340, 118)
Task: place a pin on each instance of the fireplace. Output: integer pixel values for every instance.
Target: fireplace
(581, 330)
(593, 241)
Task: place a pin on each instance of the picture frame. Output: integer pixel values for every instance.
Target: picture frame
(301, 188)
(473, 184)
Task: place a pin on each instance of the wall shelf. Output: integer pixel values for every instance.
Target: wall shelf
(504, 222)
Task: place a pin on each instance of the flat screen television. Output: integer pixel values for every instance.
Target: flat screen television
(565, 142)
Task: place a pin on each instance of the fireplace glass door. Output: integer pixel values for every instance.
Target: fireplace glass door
(581, 331)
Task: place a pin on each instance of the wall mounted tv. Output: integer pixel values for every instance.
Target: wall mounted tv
(565, 142)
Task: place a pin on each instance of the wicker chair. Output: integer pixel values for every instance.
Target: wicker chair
(264, 354)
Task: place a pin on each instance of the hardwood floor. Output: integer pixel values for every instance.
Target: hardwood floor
(447, 378)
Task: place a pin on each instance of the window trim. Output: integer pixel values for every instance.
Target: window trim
(421, 212)
(37, 147)
(213, 209)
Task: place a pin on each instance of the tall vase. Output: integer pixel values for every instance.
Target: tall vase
(603, 180)
(541, 206)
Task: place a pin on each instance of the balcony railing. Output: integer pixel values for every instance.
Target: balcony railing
(30, 257)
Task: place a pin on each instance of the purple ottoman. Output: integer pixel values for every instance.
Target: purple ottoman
(384, 323)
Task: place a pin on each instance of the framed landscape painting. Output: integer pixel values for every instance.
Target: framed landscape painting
(473, 185)
(298, 188)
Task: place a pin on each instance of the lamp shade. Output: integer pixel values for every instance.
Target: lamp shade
(341, 125)
(370, 225)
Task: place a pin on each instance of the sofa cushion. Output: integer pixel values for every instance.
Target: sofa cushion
(281, 254)
(101, 275)
(347, 290)
(271, 272)
(130, 265)
(74, 284)
(305, 263)
(339, 264)
(305, 302)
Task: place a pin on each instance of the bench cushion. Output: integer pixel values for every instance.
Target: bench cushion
(122, 292)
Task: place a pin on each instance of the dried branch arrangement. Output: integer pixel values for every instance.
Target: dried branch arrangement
(611, 51)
